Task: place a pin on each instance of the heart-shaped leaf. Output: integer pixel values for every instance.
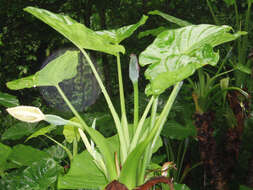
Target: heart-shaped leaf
(117, 35)
(83, 173)
(77, 33)
(61, 68)
(176, 54)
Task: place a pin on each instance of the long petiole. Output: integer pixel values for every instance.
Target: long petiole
(115, 116)
(139, 127)
(136, 105)
(148, 153)
(64, 147)
(122, 103)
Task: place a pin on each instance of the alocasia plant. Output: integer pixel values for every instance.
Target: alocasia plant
(173, 56)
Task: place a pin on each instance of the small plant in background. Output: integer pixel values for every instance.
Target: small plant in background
(120, 161)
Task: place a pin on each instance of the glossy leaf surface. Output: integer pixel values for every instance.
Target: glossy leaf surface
(83, 174)
(40, 175)
(117, 35)
(8, 100)
(176, 54)
(170, 18)
(77, 33)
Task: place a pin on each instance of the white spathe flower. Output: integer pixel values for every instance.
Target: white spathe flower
(28, 114)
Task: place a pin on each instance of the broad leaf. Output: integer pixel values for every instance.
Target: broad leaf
(83, 174)
(117, 35)
(8, 100)
(170, 18)
(175, 130)
(243, 68)
(77, 33)
(40, 175)
(42, 131)
(25, 155)
(176, 54)
(4, 154)
(18, 131)
(61, 68)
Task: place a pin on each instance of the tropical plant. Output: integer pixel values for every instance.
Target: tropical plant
(121, 160)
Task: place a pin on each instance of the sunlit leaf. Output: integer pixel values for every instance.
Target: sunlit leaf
(176, 54)
(83, 173)
(170, 18)
(77, 33)
(243, 68)
(117, 35)
(28, 114)
(42, 131)
(62, 68)
(8, 100)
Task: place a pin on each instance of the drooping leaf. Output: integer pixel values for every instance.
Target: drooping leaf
(175, 130)
(18, 131)
(83, 173)
(170, 18)
(42, 131)
(61, 68)
(26, 82)
(70, 132)
(77, 33)
(176, 54)
(28, 114)
(25, 155)
(8, 100)
(40, 175)
(153, 32)
(117, 35)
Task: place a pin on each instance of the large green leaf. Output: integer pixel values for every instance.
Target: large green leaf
(8, 100)
(24, 155)
(18, 131)
(4, 154)
(83, 174)
(61, 68)
(117, 35)
(70, 132)
(77, 33)
(40, 175)
(170, 18)
(176, 54)
(175, 130)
